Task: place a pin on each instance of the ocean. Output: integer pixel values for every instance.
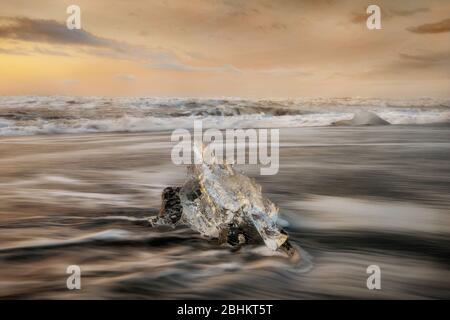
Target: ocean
(81, 177)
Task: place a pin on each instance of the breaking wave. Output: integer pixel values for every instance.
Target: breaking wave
(29, 115)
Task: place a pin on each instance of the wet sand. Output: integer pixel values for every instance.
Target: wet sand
(350, 197)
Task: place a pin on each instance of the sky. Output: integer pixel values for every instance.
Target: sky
(218, 48)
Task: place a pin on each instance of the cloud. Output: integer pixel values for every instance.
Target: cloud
(405, 63)
(50, 52)
(437, 27)
(411, 61)
(49, 31)
(424, 58)
(70, 82)
(387, 14)
(16, 52)
(274, 26)
(56, 34)
(168, 60)
(176, 65)
(126, 77)
(407, 13)
(33, 51)
(283, 72)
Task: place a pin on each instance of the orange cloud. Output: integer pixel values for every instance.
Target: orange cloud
(437, 27)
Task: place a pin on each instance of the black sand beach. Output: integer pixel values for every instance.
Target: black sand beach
(349, 197)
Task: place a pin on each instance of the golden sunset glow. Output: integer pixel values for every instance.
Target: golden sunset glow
(255, 48)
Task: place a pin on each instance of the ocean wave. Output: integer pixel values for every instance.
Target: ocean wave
(58, 115)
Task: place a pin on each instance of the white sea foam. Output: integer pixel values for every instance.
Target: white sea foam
(29, 115)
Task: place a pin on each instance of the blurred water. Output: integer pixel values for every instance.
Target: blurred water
(33, 115)
(349, 197)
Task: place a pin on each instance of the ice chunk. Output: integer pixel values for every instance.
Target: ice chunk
(219, 202)
(363, 118)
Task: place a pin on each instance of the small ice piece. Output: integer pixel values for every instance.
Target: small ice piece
(363, 118)
(219, 202)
